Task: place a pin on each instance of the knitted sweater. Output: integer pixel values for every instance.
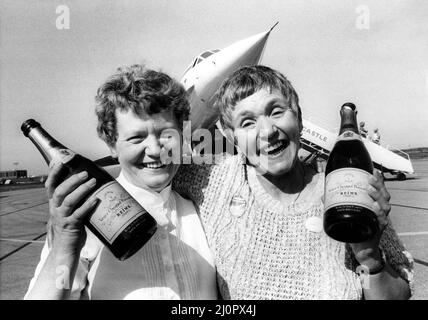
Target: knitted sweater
(265, 250)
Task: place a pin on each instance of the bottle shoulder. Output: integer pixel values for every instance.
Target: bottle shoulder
(349, 153)
(80, 163)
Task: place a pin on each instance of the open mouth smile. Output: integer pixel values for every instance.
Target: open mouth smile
(153, 165)
(274, 149)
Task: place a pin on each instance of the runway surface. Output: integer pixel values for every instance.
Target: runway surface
(23, 216)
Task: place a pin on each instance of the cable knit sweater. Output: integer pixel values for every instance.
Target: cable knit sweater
(265, 250)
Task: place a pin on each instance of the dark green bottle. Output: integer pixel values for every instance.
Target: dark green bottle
(348, 215)
(118, 221)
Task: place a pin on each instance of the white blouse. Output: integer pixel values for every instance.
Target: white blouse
(176, 263)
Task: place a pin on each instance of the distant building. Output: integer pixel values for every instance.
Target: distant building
(11, 174)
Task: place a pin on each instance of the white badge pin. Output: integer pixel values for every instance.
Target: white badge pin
(314, 224)
(237, 206)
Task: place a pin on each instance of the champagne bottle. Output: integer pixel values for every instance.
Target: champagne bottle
(348, 214)
(118, 220)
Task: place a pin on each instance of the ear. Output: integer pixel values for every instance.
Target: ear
(227, 132)
(301, 126)
(113, 151)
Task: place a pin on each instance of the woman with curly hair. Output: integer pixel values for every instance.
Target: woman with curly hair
(140, 114)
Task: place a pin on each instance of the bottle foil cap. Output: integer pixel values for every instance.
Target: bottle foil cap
(28, 125)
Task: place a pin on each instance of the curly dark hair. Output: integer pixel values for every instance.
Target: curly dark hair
(246, 81)
(141, 90)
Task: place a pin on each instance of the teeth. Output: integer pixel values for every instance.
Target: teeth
(273, 146)
(153, 165)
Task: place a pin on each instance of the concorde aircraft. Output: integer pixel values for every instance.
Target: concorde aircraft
(204, 75)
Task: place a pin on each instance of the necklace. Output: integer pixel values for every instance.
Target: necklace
(274, 194)
(302, 188)
(295, 199)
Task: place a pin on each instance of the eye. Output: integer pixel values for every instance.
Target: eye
(135, 139)
(247, 123)
(278, 111)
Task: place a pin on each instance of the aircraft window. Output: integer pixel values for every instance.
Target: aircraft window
(206, 54)
(197, 61)
(201, 57)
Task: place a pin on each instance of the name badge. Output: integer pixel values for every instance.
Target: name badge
(237, 206)
(314, 224)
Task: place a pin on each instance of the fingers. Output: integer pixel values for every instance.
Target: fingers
(381, 197)
(67, 216)
(73, 198)
(381, 214)
(377, 181)
(87, 207)
(66, 187)
(57, 173)
(378, 190)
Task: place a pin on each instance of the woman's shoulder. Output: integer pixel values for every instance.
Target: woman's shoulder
(227, 163)
(200, 174)
(196, 181)
(313, 179)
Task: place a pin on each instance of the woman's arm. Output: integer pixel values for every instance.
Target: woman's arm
(385, 283)
(55, 279)
(383, 256)
(66, 234)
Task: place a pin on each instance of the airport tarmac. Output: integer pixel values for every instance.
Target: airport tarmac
(23, 214)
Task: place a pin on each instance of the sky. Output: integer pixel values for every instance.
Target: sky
(373, 53)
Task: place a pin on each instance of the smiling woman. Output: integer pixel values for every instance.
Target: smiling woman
(262, 209)
(140, 114)
(267, 131)
(141, 143)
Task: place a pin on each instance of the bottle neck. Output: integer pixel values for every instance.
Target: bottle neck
(348, 120)
(48, 146)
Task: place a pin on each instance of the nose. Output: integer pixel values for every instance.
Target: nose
(267, 129)
(153, 146)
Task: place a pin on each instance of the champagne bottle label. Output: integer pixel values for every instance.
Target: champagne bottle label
(347, 186)
(115, 211)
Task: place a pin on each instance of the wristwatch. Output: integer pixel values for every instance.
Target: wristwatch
(380, 268)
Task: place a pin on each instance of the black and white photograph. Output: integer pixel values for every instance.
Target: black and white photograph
(213, 150)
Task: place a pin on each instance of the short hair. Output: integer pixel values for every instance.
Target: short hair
(246, 81)
(140, 90)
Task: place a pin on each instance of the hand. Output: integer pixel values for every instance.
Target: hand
(66, 223)
(368, 253)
